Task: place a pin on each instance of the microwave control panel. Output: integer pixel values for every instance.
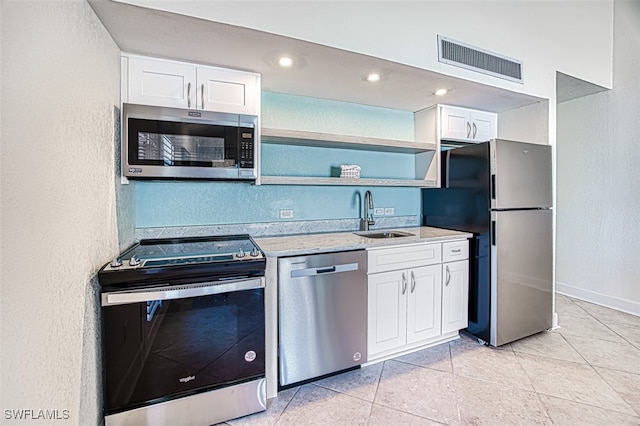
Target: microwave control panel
(246, 148)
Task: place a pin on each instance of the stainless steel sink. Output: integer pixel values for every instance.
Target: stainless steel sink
(384, 234)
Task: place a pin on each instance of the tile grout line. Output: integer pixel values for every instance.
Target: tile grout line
(608, 328)
(533, 386)
(604, 324)
(455, 387)
(574, 348)
(286, 406)
(587, 405)
(579, 336)
(375, 394)
(538, 393)
(615, 391)
(403, 411)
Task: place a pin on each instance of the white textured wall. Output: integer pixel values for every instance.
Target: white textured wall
(60, 83)
(598, 234)
(526, 124)
(570, 36)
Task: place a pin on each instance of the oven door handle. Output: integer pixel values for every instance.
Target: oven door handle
(171, 292)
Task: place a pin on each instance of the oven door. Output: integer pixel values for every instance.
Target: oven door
(167, 342)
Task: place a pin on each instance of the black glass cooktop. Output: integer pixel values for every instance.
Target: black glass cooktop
(213, 257)
(175, 249)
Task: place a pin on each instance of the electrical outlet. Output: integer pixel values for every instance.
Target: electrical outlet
(389, 211)
(286, 214)
(378, 211)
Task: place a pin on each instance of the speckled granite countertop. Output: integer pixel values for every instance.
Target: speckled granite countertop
(302, 244)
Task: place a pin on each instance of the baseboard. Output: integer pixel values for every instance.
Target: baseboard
(612, 302)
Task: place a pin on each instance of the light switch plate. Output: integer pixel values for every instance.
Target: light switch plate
(378, 211)
(389, 211)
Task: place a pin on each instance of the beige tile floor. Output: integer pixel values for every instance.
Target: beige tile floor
(587, 372)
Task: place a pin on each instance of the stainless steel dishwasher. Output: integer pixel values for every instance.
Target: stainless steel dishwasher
(322, 308)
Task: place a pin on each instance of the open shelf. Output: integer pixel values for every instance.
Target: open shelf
(332, 181)
(301, 138)
(421, 153)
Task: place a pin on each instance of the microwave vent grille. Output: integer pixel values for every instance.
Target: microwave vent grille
(465, 56)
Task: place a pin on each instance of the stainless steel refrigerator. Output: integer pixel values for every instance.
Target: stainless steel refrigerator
(501, 191)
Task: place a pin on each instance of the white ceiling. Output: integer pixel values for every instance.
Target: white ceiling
(328, 72)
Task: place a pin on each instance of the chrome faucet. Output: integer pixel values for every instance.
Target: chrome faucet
(367, 219)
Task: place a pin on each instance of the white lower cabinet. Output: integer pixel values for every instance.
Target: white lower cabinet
(413, 306)
(404, 307)
(455, 295)
(423, 303)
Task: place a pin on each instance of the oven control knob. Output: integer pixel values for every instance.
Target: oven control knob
(255, 252)
(240, 253)
(134, 261)
(116, 262)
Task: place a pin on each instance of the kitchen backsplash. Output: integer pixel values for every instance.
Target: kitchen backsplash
(161, 204)
(269, 229)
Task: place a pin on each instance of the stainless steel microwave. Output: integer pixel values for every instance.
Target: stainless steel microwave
(174, 143)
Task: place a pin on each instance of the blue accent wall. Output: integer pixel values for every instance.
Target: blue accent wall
(288, 160)
(184, 203)
(206, 203)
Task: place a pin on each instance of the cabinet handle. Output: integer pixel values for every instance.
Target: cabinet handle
(413, 282)
(456, 250)
(475, 130)
(448, 276)
(404, 283)
(202, 92)
(189, 95)
(468, 130)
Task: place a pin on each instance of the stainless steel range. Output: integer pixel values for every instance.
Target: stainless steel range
(183, 331)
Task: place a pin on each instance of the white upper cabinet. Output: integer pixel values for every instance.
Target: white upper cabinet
(162, 83)
(228, 90)
(467, 125)
(152, 81)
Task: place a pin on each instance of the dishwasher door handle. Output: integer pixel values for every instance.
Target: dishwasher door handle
(324, 270)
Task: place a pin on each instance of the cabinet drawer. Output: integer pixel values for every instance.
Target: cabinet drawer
(455, 250)
(393, 258)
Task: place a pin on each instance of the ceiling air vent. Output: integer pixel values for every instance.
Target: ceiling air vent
(462, 55)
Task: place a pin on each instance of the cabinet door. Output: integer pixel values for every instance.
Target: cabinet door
(424, 303)
(387, 311)
(454, 123)
(483, 126)
(162, 83)
(228, 90)
(455, 295)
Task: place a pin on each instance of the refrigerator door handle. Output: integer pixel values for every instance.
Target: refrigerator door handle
(444, 162)
(493, 187)
(493, 232)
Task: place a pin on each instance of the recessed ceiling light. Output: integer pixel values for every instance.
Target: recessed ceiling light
(440, 92)
(285, 61)
(373, 77)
